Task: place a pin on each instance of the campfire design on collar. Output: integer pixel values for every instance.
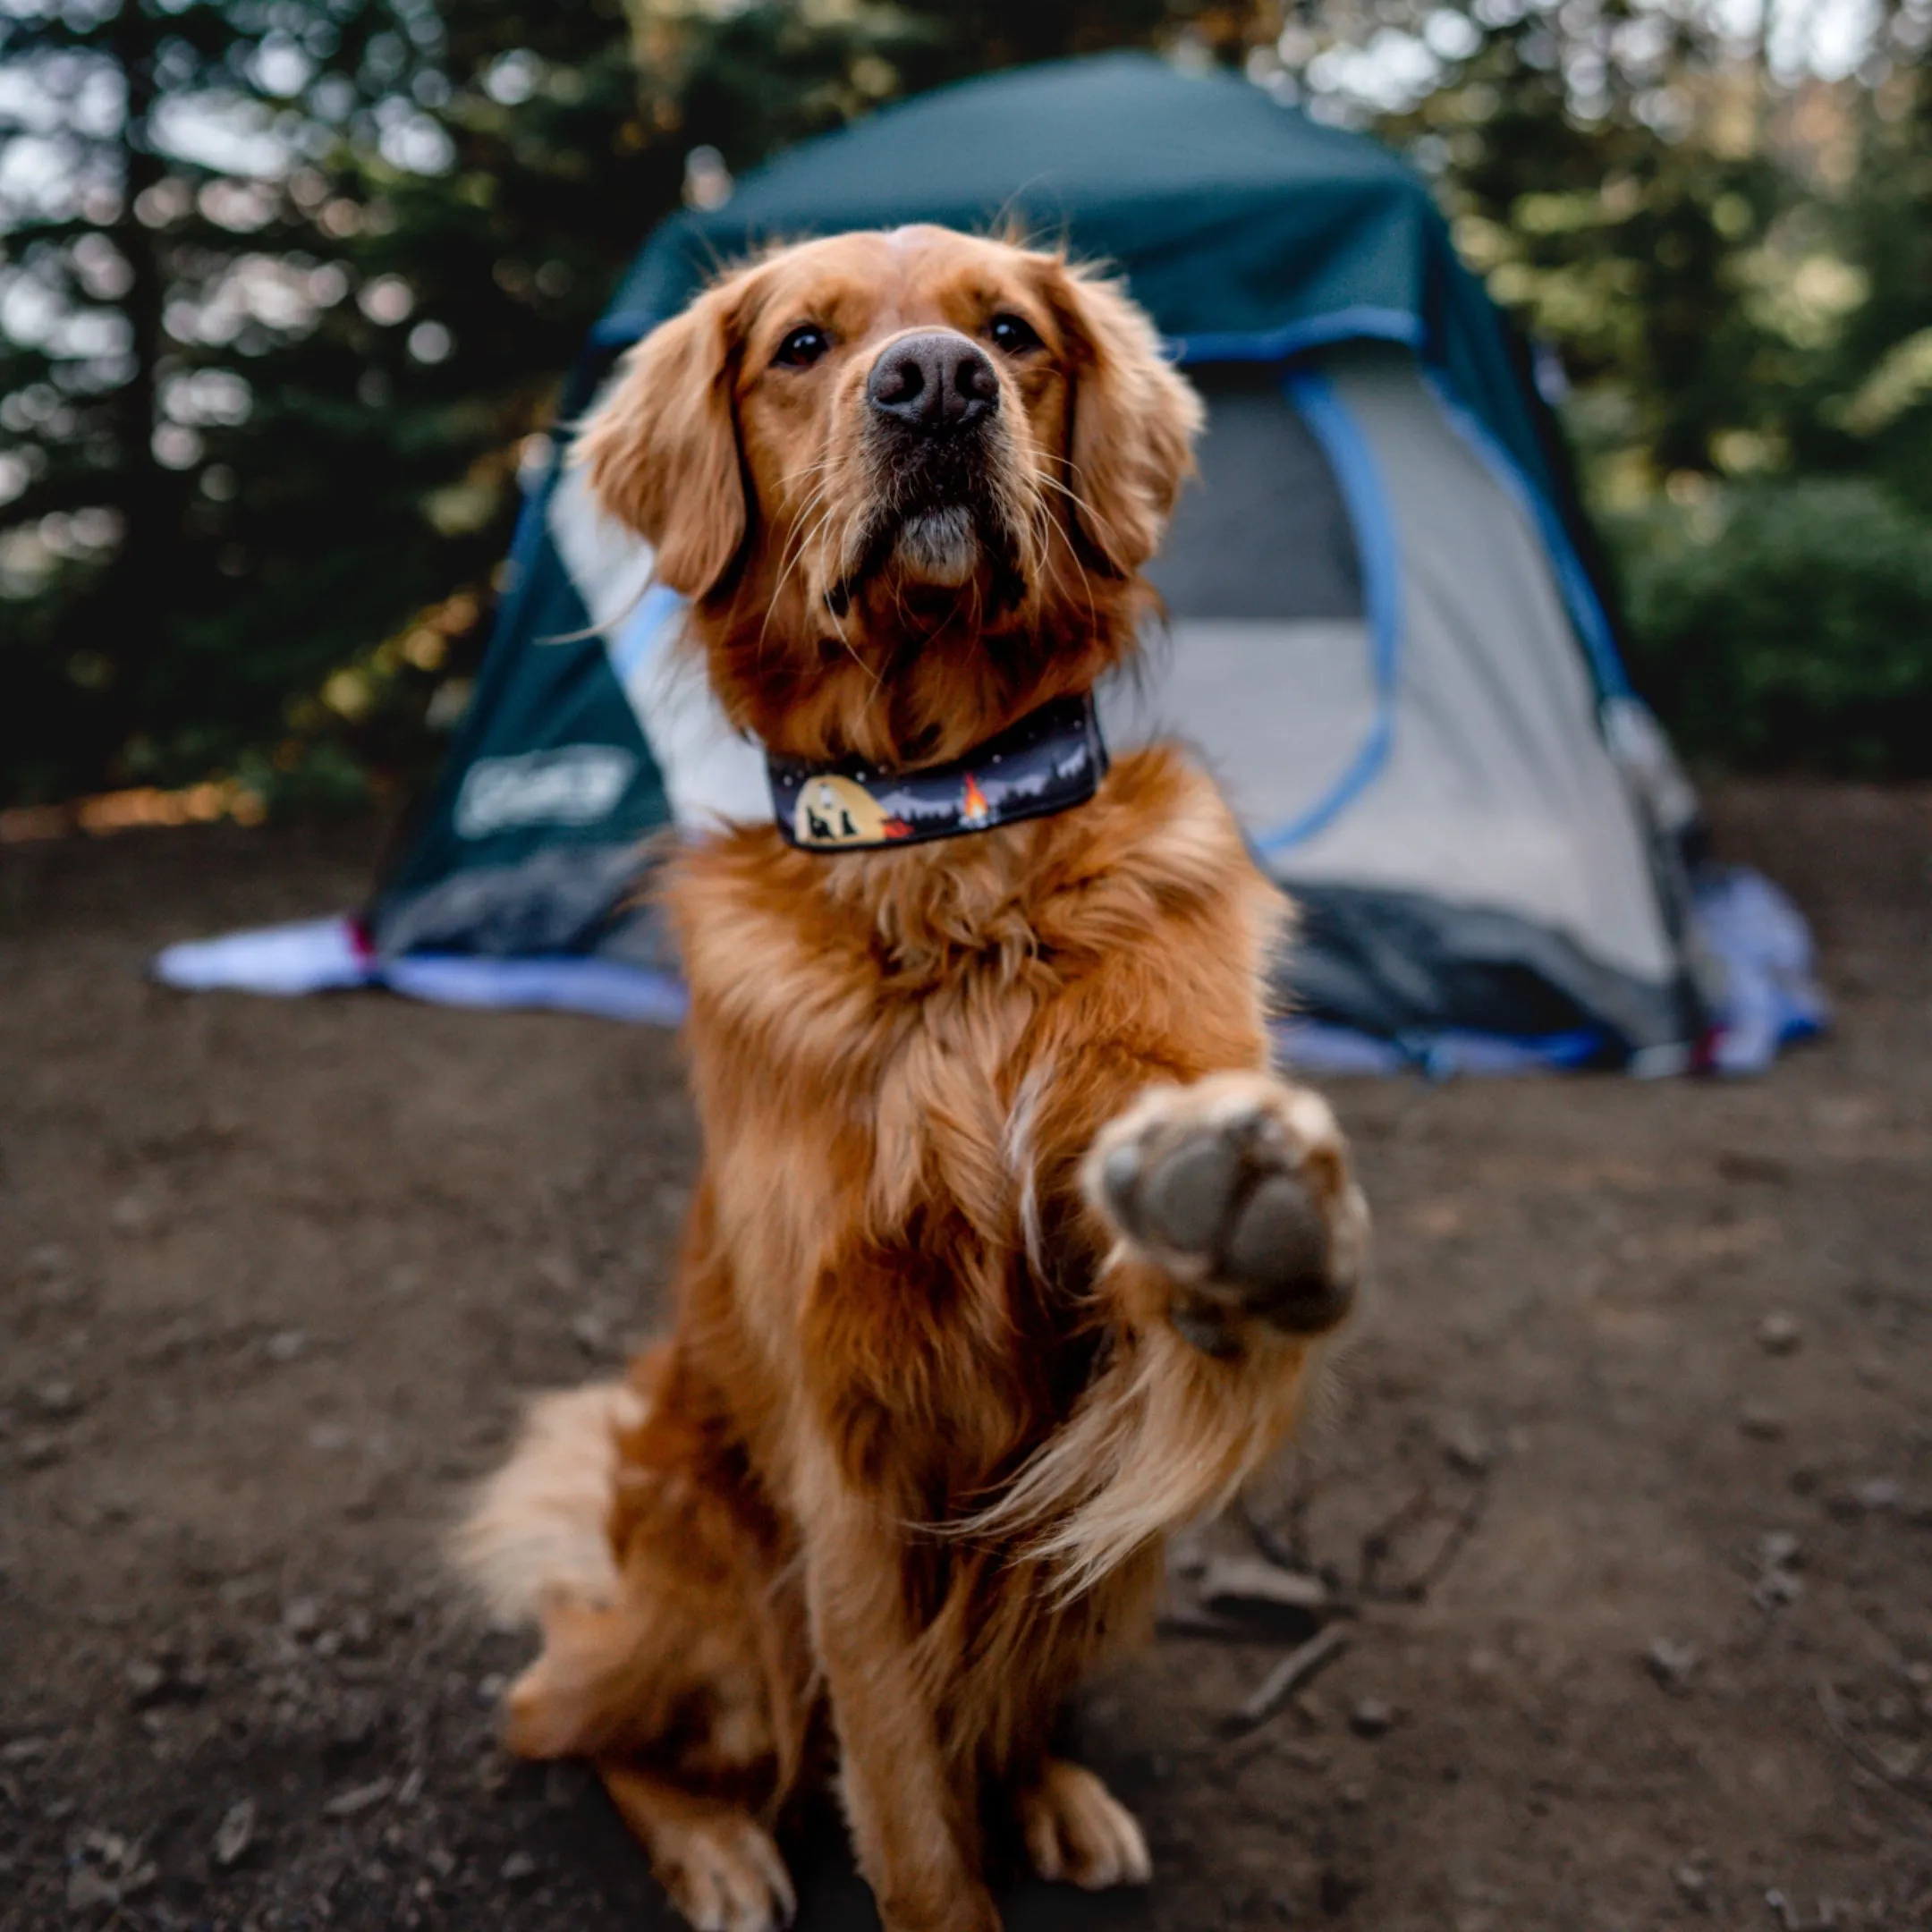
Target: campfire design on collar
(1050, 761)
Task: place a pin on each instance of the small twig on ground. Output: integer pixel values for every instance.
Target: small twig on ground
(1239, 1600)
(1290, 1551)
(1862, 1753)
(1379, 1544)
(1240, 1583)
(1380, 1541)
(1432, 1572)
(1289, 1675)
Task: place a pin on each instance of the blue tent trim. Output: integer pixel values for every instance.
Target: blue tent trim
(1315, 1047)
(1359, 479)
(1359, 323)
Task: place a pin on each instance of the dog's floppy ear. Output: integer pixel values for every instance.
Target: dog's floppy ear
(662, 450)
(1134, 420)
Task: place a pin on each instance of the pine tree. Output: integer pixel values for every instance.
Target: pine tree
(299, 283)
(151, 286)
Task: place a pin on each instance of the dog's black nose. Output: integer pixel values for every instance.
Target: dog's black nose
(934, 380)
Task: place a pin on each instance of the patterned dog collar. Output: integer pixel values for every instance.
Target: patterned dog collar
(1052, 758)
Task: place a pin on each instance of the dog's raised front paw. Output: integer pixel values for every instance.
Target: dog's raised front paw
(1077, 1830)
(1238, 1188)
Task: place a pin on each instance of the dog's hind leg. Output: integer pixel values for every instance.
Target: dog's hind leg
(716, 1861)
(673, 1654)
(1076, 1830)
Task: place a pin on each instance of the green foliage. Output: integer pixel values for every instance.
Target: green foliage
(293, 314)
(1735, 266)
(1623, 247)
(295, 335)
(1787, 624)
(290, 288)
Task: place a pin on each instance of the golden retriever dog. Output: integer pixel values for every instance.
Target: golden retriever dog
(1009, 1254)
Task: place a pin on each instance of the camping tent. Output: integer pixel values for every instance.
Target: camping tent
(1384, 633)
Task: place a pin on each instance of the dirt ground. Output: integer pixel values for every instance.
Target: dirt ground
(274, 1278)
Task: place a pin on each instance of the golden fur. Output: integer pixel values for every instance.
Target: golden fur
(1009, 1254)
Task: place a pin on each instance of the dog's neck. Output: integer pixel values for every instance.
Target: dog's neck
(899, 691)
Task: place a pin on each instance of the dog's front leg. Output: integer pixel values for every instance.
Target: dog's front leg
(915, 1831)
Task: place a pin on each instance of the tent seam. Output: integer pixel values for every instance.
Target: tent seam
(1360, 481)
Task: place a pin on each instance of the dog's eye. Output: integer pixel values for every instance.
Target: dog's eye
(803, 346)
(1013, 334)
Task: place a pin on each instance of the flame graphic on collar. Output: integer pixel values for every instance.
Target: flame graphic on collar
(1047, 762)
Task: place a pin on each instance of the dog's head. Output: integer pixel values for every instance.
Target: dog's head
(908, 481)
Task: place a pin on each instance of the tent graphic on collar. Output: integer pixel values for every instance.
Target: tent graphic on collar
(1386, 638)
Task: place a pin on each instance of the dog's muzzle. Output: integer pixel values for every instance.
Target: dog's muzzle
(932, 401)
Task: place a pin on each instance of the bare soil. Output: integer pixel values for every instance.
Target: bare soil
(274, 1278)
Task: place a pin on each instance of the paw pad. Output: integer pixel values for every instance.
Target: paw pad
(1241, 1210)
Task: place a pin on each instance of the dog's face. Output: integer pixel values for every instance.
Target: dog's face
(909, 481)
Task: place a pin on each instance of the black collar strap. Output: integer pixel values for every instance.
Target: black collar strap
(1052, 758)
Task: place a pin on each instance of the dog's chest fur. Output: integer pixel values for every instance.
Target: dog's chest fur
(877, 1042)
